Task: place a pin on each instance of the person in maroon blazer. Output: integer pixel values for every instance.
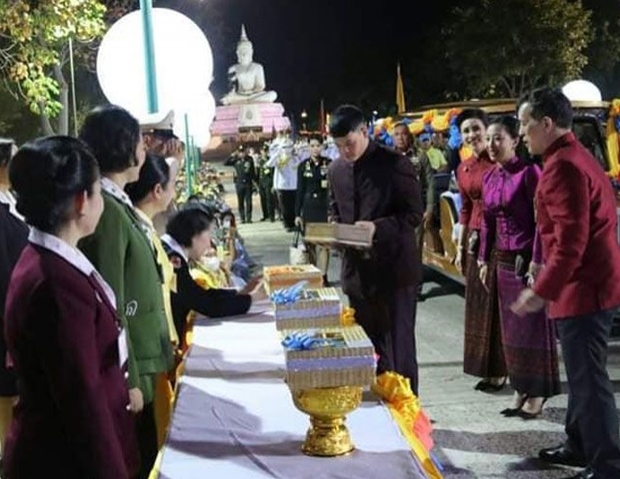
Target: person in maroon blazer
(376, 188)
(579, 280)
(62, 331)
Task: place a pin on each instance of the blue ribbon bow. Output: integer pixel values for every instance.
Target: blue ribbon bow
(288, 295)
(299, 341)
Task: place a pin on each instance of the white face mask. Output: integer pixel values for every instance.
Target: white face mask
(211, 262)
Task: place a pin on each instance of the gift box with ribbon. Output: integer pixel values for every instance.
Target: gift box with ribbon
(310, 308)
(284, 276)
(328, 357)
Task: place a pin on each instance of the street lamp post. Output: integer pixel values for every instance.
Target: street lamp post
(146, 9)
(304, 116)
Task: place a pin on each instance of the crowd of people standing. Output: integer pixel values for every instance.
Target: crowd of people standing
(96, 310)
(537, 246)
(95, 313)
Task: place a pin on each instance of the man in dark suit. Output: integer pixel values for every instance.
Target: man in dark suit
(377, 188)
(580, 279)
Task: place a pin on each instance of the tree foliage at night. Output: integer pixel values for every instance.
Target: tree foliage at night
(34, 39)
(505, 48)
(604, 52)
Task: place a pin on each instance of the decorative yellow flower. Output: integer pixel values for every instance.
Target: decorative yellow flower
(405, 408)
(428, 116)
(347, 317)
(416, 127)
(466, 152)
(388, 123)
(451, 113)
(440, 123)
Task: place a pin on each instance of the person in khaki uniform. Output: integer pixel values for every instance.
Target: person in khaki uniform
(403, 143)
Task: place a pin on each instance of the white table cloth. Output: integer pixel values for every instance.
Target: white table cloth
(235, 418)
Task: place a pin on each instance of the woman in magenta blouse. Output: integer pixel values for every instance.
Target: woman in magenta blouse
(483, 355)
(508, 227)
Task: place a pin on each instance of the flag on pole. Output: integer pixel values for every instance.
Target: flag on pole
(400, 92)
(322, 117)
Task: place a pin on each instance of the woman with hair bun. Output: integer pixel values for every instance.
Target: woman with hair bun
(483, 354)
(121, 249)
(63, 333)
(152, 194)
(509, 227)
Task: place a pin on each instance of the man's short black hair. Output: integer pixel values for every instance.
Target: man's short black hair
(315, 137)
(551, 103)
(344, 120)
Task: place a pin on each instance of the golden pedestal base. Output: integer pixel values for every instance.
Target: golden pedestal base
(328, 435)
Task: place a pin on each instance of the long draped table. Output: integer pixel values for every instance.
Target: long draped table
(234, 416)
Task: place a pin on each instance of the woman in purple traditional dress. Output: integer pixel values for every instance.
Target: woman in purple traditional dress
(483, 354)
(509, 227)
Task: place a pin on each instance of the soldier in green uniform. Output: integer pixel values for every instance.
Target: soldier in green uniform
(265, 187)
(245, 177)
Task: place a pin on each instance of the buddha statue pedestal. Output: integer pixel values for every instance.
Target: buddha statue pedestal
(259, 117)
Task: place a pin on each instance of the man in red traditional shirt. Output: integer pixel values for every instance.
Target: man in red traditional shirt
(580, 279)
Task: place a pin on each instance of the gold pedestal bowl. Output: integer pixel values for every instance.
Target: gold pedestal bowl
(328, 435)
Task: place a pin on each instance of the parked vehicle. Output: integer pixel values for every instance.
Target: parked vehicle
(440, 245)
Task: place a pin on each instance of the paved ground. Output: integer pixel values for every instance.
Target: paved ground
(473, 440)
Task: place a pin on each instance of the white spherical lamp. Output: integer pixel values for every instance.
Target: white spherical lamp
(183, 66)
(582, 90)
(199, 119)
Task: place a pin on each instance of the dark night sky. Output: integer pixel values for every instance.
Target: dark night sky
(313, 49)
(339, 50)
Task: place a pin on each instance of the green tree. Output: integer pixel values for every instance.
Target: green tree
(16, 120)
(604, 52)
(34, 51)
(507, 47)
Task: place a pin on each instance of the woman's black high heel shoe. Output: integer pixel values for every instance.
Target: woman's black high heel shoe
(514, 411)
(488, 387)
(528, 416)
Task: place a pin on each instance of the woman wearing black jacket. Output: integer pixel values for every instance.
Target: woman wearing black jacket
(13, 239)
(188, 238)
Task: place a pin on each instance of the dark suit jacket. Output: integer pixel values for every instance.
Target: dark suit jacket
(577, 221)
(381, 187)
(311, 196)
(62, 335)
(13, 238)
